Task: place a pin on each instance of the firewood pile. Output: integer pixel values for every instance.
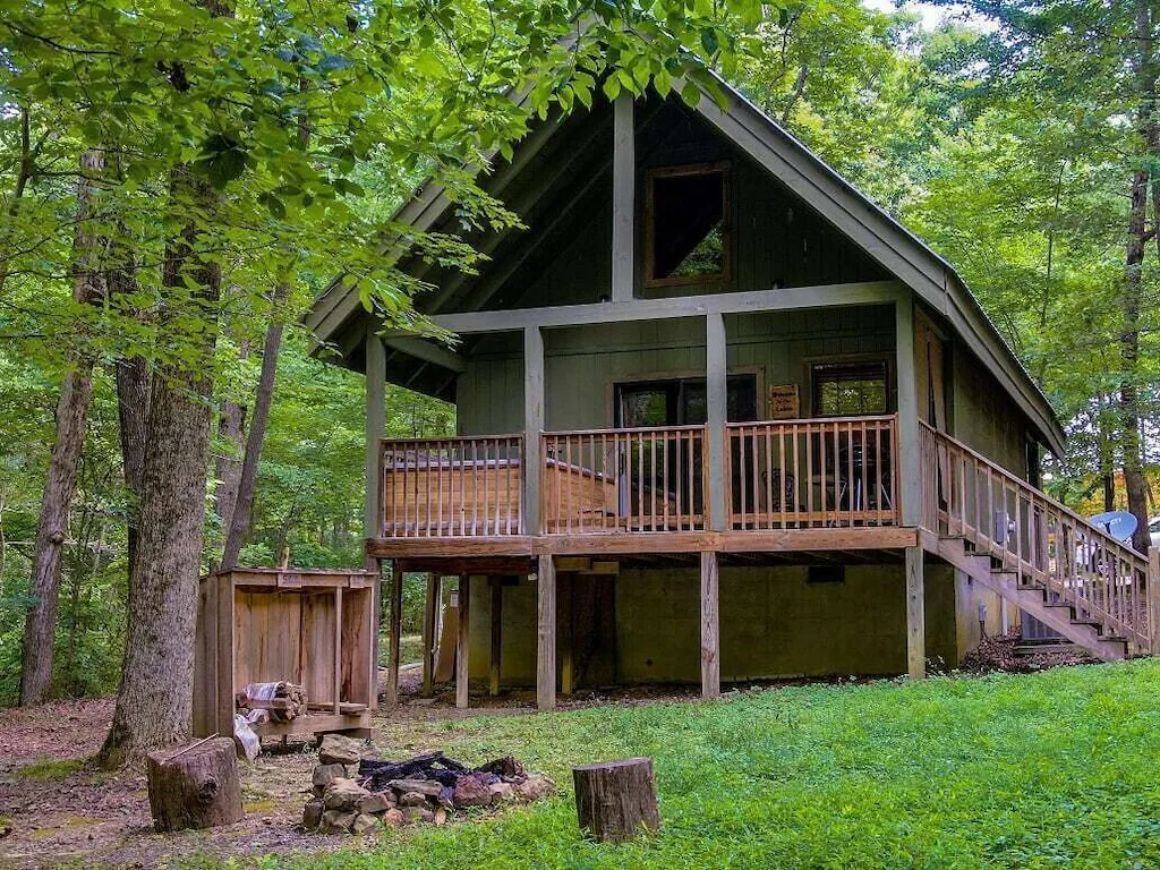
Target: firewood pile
(277, 701)
(359, 795)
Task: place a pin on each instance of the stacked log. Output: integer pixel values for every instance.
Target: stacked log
(282, 701)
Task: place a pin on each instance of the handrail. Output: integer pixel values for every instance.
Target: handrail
(1038, 493)
(1035, 536)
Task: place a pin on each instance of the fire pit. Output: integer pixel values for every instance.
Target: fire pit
(425, 789)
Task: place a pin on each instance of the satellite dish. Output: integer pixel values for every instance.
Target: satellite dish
(1121, 525)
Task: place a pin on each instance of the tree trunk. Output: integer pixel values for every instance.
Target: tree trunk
(154, 700)
(133, 388)
(1131, 297)
(72, 411)
(239, 527)
(616, 799)
(195, 787)
(228, 468)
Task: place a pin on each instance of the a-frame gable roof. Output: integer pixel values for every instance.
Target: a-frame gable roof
(849, 211)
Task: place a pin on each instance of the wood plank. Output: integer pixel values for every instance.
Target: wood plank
(462, 643)
(337, 649)
(1154, 597)
(496, 584)
(376, 419)
(716, 408)
(915, 614)
(710, 636)
(533, 427)
(395, 638)
(225, 657)
(782, 299)
(546, 634)
(623, 198)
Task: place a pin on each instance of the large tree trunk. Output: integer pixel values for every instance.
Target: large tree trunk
(72, 411)
(1132, 295)
(154, 700)
(239, 528)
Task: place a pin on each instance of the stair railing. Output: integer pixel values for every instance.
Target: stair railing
(1043, 541)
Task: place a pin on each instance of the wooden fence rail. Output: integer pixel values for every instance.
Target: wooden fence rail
(792, 474)
(1045, 542)
(610, 480)
(453, 487)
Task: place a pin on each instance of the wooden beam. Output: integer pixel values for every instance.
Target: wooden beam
(462, 642)
(430, 639)
(376, 421)
(546, 634)
(566, 587)
(915, 614)
(623, 198)
(429, 352)
(786, 299)
(909, 472)
(533, 465)
(496, 584)
(1154, 597)
(396, 636)
(710, 636)
(716, 406)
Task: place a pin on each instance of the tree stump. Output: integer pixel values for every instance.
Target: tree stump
(615, 799)
(196, 786)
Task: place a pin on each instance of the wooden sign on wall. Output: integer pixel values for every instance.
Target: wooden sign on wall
(783, 402)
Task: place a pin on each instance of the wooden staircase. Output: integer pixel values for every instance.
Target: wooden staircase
(1034, 599)
(1036, 553)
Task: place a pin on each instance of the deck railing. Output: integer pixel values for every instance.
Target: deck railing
(967, 495)
(792, 474)
(609, 480)
(453, 487)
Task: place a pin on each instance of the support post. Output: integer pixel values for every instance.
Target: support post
(915, 615)
(710, 637)
(533, 426)
(430, 634)
(1154, 597)
(909, 469)
(716, 391)
(496, 634)
(567, 654)
(546, 635)
(623, 196)
(376, 421)
(395, 639)
(462, 644)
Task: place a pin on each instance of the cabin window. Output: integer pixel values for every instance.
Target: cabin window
(681, 402)
(687, 233)
(850, 389)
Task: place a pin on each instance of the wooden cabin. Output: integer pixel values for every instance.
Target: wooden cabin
(720, 418)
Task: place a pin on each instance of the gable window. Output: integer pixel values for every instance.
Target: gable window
(687, 232)
(850, 389)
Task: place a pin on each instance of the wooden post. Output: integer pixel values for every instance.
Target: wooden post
(623, 196)
(196, 786)
(337, 649)
(396, 635)
(716, 391)
(909, 468)
(710, 639)
(496, 634)
(533, 426)
(462, 644)
(567, 655)
(546, 636)
(430, 634)
(1154, 597)
(376, 421)
(915, 615)
(616, 799)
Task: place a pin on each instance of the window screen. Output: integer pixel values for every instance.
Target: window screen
(849, 390)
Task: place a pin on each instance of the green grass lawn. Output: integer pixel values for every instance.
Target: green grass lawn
(1061, 767)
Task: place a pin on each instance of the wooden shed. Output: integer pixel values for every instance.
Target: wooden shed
(310, 627)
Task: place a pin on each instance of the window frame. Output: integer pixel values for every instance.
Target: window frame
(856, 361)
(724, 168)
